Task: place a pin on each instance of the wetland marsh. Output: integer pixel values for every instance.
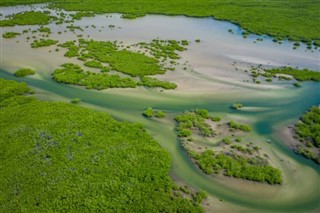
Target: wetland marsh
(210, 74)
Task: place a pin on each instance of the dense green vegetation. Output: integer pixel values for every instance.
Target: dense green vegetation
(80, 15)
(10, 34)
(128, 62)
(96, 53)
(43, 43)
(24, 72)
(237, 166)
(194, 120)
(153, 82)
(74, 74)
(58, 157)
(132, 16)
(308, 130)
(93, 64)
(26, 18)
(300, 75)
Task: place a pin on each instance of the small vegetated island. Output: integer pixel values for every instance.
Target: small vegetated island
(65, 158)
(24, 72)
(106, 56)
(307, 131)
(284, 74)
(27, 18)
(227, 154)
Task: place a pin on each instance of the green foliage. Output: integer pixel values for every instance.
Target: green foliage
(237, 106)
(227, 141)
(160, 114)
(94, 64)
(300, 75)
(131, 63)
(43, 43)
(148, 112)
(75, 100)
(132, 16)
(164, 48)
(200, 196)
(216, 119)
(10, 34)
(152, 82)
(194, 120)
(10, 89)
(242, 127)
(44, 29)
(74, 74)
(24, 72)
(73, 50)
(238, 167)
(309, 126)
(62, 157)
(80, 15)
(26, 18)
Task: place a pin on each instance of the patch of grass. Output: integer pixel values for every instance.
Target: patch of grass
(10, 34)
(166, 49)
(94, 64)
(44, 30)
(242, 127)
(43, 43)
(74, 74)
(300, 75)
(309, 126)
(26, 18)
(80, 15)
(149, 113)
(75, 100)
(152, 82)
(132, 16)
(194, 120)
(237, 166)
(24, 72)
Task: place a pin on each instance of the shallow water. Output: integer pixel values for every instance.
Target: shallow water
(210, 82)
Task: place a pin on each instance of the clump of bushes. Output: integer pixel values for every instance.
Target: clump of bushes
(194, 120)
(237, 166)
(10, 34)
(149, 112)
(237, 106)
(43, 43)
(242, 127)
(24, 72)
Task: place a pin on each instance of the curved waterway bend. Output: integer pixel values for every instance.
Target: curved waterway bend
(210, 82)
(298, 191)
